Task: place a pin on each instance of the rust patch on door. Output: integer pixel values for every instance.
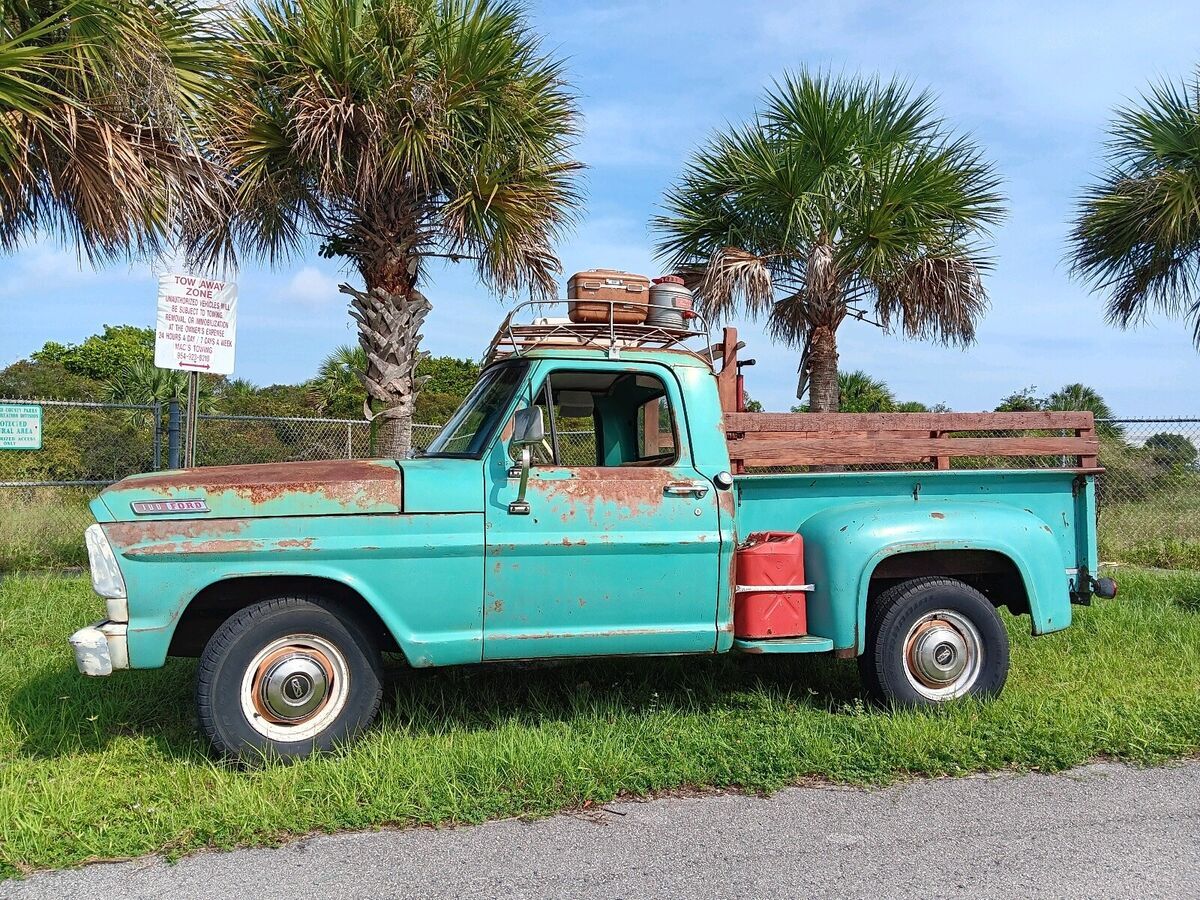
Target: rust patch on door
(629, 490)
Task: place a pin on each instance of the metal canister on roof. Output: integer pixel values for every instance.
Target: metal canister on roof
(670, 302)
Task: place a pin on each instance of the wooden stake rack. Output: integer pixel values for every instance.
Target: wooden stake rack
(767, 440)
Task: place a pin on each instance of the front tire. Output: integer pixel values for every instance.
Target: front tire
(931, 641)
(286, 678)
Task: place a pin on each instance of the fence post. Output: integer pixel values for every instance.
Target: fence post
(157, 435)
(349, 441)
(173, 433)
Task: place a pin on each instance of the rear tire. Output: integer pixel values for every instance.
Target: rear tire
(931, 641)
(286, 678)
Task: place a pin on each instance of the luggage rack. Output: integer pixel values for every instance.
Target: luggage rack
(533, 324)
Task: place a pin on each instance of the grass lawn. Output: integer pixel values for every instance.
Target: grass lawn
(1160, 532)
(42, 528)
(102, 768)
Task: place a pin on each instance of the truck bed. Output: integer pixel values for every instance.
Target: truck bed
(1061, 500)
(1034, 528)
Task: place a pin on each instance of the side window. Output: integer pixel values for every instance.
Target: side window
(607, 420)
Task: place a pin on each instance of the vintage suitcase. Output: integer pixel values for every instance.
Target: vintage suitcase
(586, 292)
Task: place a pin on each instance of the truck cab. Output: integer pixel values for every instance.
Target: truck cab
(599, 493)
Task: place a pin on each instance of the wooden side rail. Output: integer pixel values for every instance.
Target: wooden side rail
(825, 439)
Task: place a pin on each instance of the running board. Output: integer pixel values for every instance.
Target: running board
(808, 643)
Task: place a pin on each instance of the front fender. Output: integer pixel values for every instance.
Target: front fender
(843, 546)
(421, 574)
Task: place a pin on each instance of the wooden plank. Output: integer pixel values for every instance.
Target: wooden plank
(941, 463)
(943, 422)
(786, 450)
(1087, 461)
(863, 442)
(727, 377)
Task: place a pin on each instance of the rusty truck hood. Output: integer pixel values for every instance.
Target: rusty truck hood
(316, 488)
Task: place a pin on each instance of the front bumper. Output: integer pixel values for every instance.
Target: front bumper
(101, 647)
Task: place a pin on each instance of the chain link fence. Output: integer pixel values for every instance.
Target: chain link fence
(1149, 495)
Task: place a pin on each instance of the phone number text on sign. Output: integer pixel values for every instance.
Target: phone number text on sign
(197, 324)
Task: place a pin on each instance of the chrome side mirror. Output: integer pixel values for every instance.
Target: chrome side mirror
(529, 428)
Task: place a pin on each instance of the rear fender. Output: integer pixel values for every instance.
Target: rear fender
(844, 545)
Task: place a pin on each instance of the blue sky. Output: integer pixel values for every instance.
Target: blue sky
(1034, 83)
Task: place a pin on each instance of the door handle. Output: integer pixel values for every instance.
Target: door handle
(695, 489)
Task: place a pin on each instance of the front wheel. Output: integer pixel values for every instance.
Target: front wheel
(287, 677)
(933, 640)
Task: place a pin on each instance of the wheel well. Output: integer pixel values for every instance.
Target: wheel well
(217, 602)
(992, 574)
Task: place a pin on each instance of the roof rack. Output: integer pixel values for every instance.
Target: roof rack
(541, 323)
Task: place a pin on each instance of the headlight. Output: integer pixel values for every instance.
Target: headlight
(106, 575)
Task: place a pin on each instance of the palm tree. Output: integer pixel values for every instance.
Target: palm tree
(337, 387)
(395, 131)
(99, 105)
(842, 197)
(860, 392)
(1081, 398)
(141, 382)
(1136, 235)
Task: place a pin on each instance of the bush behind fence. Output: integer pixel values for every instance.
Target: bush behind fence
(1149, 493)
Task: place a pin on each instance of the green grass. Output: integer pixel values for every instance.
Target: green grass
(102, 768)
(1161, 532)
(43, 528)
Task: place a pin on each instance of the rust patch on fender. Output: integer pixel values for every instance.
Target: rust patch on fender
(296, 544)
(937, 515)
(126, 533)
(213, 546)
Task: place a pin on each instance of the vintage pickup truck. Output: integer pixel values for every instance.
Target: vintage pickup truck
(505, 541)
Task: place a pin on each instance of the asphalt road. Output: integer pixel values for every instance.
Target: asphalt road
(1100, 831)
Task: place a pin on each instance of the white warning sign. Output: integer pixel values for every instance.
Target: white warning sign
(197, 324)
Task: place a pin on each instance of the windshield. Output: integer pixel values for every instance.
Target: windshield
(472, 426)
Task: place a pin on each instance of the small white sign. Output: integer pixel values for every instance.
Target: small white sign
(197, 324)
(20, 426)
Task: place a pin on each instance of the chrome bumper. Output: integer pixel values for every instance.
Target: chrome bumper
(101, 647)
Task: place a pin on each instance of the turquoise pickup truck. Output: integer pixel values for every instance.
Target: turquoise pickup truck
(594, 496)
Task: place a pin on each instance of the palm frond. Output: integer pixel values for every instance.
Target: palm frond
(1136, 234)
(395, 131)
(98, 122)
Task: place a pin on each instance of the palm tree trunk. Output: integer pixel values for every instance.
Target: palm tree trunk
(389, 330)
(823, 394)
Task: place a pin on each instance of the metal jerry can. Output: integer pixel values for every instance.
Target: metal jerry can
(770, 598)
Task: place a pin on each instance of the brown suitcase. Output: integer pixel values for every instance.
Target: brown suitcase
(633, 292)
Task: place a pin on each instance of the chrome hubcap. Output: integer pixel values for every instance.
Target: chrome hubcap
(295, 687)
(943, 653)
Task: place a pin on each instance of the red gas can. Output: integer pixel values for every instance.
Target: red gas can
(770, 573)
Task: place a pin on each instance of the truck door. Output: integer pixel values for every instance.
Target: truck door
(620, 550)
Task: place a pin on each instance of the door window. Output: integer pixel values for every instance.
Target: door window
(607, 419)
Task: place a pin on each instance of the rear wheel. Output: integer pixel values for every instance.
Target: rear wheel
(931, 641)
(287, 677)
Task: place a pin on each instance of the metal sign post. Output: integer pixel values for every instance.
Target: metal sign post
(193, 408)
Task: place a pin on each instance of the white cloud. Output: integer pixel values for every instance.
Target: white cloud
(311, 288)
(44, 269)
